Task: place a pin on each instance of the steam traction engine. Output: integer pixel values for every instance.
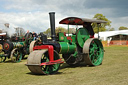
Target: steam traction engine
(80, 47)
(15, 48)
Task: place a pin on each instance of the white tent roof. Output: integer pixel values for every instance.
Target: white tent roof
(104, 35)
(2, 34)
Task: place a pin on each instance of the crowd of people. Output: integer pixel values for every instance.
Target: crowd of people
(34, 35)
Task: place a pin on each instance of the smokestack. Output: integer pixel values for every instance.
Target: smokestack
(52, 23)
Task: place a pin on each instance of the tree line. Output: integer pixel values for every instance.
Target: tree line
(59, 29)
(102, 27)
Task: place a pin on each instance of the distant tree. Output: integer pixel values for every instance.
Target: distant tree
(0, 31)
(123, 28)
(111, 29)
(60, 29)
(22, 32)
(102, 26)
(71, 30)
(19, 31)
(48, 32)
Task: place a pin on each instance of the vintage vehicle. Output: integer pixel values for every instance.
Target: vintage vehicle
(15, 47)
(80, 47)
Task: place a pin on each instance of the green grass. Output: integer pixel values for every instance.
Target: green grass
(113, 71)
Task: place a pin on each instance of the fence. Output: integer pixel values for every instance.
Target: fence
(115, 42)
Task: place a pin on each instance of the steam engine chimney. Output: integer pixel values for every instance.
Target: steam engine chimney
(52, 23)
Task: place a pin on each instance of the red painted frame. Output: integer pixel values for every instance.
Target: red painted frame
(50, 50)
(51, 55)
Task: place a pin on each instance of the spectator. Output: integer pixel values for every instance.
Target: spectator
(109, 40)
(34, 35)
(27, 33)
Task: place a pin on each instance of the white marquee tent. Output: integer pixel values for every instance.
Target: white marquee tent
(106, 34)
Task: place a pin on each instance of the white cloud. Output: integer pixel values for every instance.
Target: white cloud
(37, 21)
(33, 14)
(32, 21)
(20, 5)
(121, 21)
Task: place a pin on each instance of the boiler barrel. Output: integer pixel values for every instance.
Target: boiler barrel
(66, 47)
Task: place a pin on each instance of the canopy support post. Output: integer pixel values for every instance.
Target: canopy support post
(68, 29)
(76, 27)
(98, 30)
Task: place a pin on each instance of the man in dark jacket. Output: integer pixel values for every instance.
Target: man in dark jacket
(34, 35)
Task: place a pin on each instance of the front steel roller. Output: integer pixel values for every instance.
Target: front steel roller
(94, 51)
(32, 44)
(37, 57)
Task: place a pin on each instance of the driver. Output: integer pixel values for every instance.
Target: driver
(89, 28)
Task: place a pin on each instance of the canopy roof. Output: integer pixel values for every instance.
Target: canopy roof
(2, 34)
(79, 21)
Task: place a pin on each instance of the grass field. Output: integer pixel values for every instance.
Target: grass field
(113, 71)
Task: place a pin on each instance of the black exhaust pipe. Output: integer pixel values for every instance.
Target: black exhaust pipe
(52, 23)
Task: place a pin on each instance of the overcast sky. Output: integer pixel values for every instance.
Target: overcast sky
(33, 14)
